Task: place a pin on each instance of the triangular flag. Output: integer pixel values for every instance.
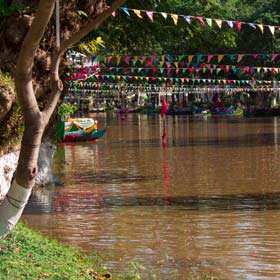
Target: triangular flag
(230, 23)
(209, 21)
(239, 57)
(126, 11)
(138, 13)
(175, 18)
(220, 57)
(135, 59)
(199, 57)
(219, 22)
(260, 26)
(180, 58)
(190, 58)
(168, 64)
(210, 56)
(274, 56)
(127, 59)
(119, 60)
(114, 14)
(188, 19)
(239, 25)
(272, 29)
(150, 15)
(201, 20)
(164, 15)
(252, 25)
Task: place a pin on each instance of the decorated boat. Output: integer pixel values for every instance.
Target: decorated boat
(79, 130)
(222, 111)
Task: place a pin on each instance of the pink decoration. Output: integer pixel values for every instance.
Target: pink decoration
(150, 15)
(274, 56)
(210, 56)
(201, 20)
(239, 25)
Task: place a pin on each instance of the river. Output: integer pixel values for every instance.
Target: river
(206, 203)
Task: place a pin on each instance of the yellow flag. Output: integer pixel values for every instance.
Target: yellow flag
(190, 58)
(161, 63)
(260, 26)
(119, 60)
(138, 13)
(220, 57)
(176, 64)
(175, 18)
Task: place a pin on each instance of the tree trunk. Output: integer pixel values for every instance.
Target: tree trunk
(35, 121)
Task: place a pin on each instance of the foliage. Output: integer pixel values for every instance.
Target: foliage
(9, 9)
(91, 46)
(131, 35)
(66, 109)
(6, 79)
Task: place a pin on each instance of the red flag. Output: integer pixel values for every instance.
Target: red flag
(164, 107)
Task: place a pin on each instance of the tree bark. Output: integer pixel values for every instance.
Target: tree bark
(35, 121)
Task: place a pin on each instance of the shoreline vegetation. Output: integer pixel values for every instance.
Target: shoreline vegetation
(27, 254)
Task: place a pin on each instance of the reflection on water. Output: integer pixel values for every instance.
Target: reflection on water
(207, 202)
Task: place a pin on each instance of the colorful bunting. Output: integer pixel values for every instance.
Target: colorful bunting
(203, 21)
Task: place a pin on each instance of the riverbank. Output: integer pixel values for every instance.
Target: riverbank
(26, 254)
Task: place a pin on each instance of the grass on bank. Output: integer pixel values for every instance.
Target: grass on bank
(26, 254)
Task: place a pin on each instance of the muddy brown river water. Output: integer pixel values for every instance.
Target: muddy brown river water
(207, 203)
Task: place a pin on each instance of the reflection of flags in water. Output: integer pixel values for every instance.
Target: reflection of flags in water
(164, 107)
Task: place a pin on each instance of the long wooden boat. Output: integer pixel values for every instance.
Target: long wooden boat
(79, 130)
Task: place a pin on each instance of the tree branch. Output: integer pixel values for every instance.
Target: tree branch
(33, 38)
(94, 24)
(25, 62)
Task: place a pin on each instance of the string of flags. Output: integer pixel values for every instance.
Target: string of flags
(112, 88)
(159, 60)
(204, 21)
(86, 72)
(181, 80)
